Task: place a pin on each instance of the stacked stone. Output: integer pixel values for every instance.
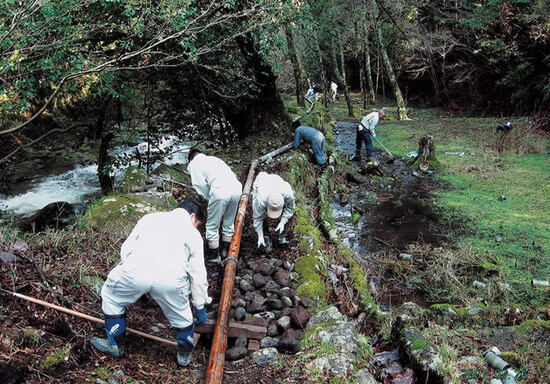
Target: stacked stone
(263, 296)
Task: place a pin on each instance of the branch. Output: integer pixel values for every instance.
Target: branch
(40, 138)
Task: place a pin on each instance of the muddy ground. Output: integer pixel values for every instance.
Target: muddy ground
(387, 215)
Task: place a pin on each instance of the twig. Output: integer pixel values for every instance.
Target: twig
(384, 242)
(38, 270)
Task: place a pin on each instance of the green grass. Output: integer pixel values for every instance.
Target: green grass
(497, 204)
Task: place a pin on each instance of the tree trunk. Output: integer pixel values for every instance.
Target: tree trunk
(324, 84)
(401, 111)
(361, 50)
(368, 74)
(340, 78)
(103, 164)
(267, 106)
(295, 66)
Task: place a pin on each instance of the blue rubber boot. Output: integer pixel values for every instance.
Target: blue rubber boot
(115, 327)
(184, 337)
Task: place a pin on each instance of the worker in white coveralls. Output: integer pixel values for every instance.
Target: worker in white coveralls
(216, 182)
(163, 256)
(333, 91)
(271, 196)
(365, 131)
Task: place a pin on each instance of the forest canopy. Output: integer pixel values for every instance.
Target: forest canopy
(215, 69)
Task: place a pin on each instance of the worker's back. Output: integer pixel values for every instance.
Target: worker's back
(159, 245)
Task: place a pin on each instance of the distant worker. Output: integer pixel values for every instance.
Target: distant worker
(273, 196)
(333, 91)
(312, 136)
(310, 95)
(365, 132)
(216, 182)
(163, 256)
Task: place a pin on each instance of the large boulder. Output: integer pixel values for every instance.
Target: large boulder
(56, 215)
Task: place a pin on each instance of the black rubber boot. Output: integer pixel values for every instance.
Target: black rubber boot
(225, 249)
(213, 257)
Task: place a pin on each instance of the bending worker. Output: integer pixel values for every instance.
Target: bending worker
(216, 182)
(273, 196)
(365, 132)
(163, 256)
(312, 136)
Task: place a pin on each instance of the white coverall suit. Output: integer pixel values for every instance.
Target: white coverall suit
(163, 256)
(216, 182)
(263, 185)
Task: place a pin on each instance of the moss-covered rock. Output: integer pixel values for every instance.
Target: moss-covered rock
(133, 177)
(360, 284)
(311, 284)
(422, 354)
(117, 213)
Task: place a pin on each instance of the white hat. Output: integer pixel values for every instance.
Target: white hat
(275, 204)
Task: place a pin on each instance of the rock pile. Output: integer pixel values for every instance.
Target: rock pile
(263, 296)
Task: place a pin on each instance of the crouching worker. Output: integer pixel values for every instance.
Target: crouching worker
(163, 256)
(312, 136)
(216, 182)
(273, 196)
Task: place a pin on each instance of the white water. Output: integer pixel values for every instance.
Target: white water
(73, 186)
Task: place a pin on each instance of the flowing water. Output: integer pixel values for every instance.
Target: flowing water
(80, 184)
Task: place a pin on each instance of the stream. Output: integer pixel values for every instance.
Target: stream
(384, 216)
(79, 184)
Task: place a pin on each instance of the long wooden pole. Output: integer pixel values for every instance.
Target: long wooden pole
(85, 316)
(214, 372)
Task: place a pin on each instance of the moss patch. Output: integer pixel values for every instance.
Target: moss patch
(360, 284)
(117, 213)
(133, 177)
(312, 285)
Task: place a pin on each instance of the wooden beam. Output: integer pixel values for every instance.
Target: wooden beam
(235, 330)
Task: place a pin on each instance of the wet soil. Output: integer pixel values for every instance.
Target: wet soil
(396, 213)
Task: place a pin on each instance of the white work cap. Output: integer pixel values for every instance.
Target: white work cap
(275, 204)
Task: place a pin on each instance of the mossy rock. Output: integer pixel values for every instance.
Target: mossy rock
(360, 284)
(533, 328)
(312, 285)
(117, 213)
(133, 177)
(173, 173)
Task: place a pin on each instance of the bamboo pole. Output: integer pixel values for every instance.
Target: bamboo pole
(214, 372)
(85, 316)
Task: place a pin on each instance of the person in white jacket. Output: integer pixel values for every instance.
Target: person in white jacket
(163, 256)
(365, 132)
(271, 196)
(333, 91)
(215, 181)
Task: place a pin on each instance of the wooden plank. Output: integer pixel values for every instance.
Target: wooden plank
(235, 330)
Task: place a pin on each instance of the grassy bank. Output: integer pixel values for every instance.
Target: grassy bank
(496, 203)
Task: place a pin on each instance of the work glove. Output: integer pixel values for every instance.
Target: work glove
(261, 241)
(201, 316)
(281, 227)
